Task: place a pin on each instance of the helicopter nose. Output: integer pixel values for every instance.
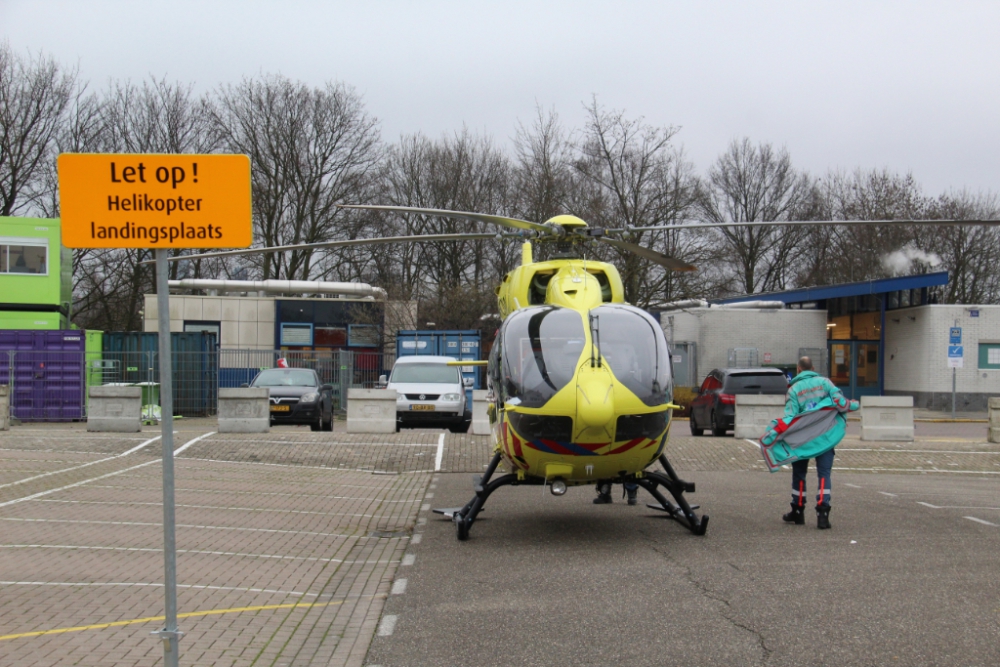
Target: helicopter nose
(595, 402)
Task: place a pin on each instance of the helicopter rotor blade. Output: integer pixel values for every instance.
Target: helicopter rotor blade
(422, 238)
(652, 255)
(513, 223)
(805, 223)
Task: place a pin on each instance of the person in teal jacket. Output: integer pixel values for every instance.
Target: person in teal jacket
(813, 424)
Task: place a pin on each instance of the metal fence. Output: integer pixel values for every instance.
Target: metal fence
(52, 385)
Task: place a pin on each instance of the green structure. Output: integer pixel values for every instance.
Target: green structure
(36, 275)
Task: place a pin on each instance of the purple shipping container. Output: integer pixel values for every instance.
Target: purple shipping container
(48, 369)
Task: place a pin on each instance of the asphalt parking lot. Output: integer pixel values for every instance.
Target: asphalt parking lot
(301, 548)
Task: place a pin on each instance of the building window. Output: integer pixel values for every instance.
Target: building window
(362, 335)
(989, 356)
(296, 334)
(24, 255)
(192, 326)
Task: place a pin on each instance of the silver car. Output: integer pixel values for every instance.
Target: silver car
(429, 392)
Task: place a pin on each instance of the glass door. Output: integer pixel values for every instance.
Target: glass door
(854, 367)
(840, 366)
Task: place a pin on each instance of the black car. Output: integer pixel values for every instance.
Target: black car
(298, 397)
(715, 405)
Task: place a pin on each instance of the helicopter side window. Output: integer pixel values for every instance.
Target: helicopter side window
(493, 371)
(541, 352)
(633, 345)
(539, 285)
(605, 283)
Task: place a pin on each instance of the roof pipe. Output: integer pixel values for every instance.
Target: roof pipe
(751, 304)
(283, 286)
(686, 303)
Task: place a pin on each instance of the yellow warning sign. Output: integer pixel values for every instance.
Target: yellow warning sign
(155, 201)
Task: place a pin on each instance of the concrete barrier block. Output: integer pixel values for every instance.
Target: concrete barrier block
(480, 418)
(371, 410)
(887, 418)
(4, 407)
(114, 409)
(754, 413)
(244, 410)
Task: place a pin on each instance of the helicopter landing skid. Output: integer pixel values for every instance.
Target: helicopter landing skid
(464, 517)
(682, 512)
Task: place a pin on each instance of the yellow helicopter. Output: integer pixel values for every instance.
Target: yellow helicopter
(579, 381)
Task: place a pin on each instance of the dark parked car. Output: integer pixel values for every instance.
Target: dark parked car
(298, 397)
(715, 405)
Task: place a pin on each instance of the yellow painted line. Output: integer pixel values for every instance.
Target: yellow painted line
(150, 619)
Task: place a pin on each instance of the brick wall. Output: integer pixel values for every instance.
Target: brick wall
(916, 355)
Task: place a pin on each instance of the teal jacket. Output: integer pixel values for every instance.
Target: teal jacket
(814, 421)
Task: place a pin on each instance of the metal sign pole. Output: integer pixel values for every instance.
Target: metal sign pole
(954, 372)
(169, 634)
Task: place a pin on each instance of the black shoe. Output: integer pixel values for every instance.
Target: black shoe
(603, 495)
(796, 516)
(633, 496)
(823, 516)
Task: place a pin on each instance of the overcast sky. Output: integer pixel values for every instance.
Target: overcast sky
(911, 86)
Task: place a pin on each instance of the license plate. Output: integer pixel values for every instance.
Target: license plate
(422, 407)
(281, 408)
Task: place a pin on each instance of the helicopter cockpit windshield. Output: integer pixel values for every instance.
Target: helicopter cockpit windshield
(633, 345)
(541, 352)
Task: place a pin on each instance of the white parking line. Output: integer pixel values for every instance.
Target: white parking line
(198, 552)
(925, 470)
(409, 559)
(416, 538)
(204, 507)
(261, 493)
(910, 451)
(985, 523)
(387, 626)
(398, 587)
(440, 453)
(56, 472)
(957, 507)
(339, 444)
(853, 486)
(187, 444)
(301, 467)
(886, 493)
(153, 585)
(110, 474)
(182, 525)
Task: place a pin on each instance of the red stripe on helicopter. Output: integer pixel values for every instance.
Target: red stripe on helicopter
(627, 446)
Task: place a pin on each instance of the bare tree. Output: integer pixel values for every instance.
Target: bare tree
(850, 254)
(751, 183)
(461, 172)
(970, 254)
(35, 92)
(633, 176)
(310, 149)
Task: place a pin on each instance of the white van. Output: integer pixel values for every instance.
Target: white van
(429, 392)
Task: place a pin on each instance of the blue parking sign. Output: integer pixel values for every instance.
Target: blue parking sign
(955, 351)
(955, 336)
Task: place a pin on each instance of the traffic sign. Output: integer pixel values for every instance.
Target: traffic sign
(155, 201)
(956, 351)
(956, 356)
(955, 336)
